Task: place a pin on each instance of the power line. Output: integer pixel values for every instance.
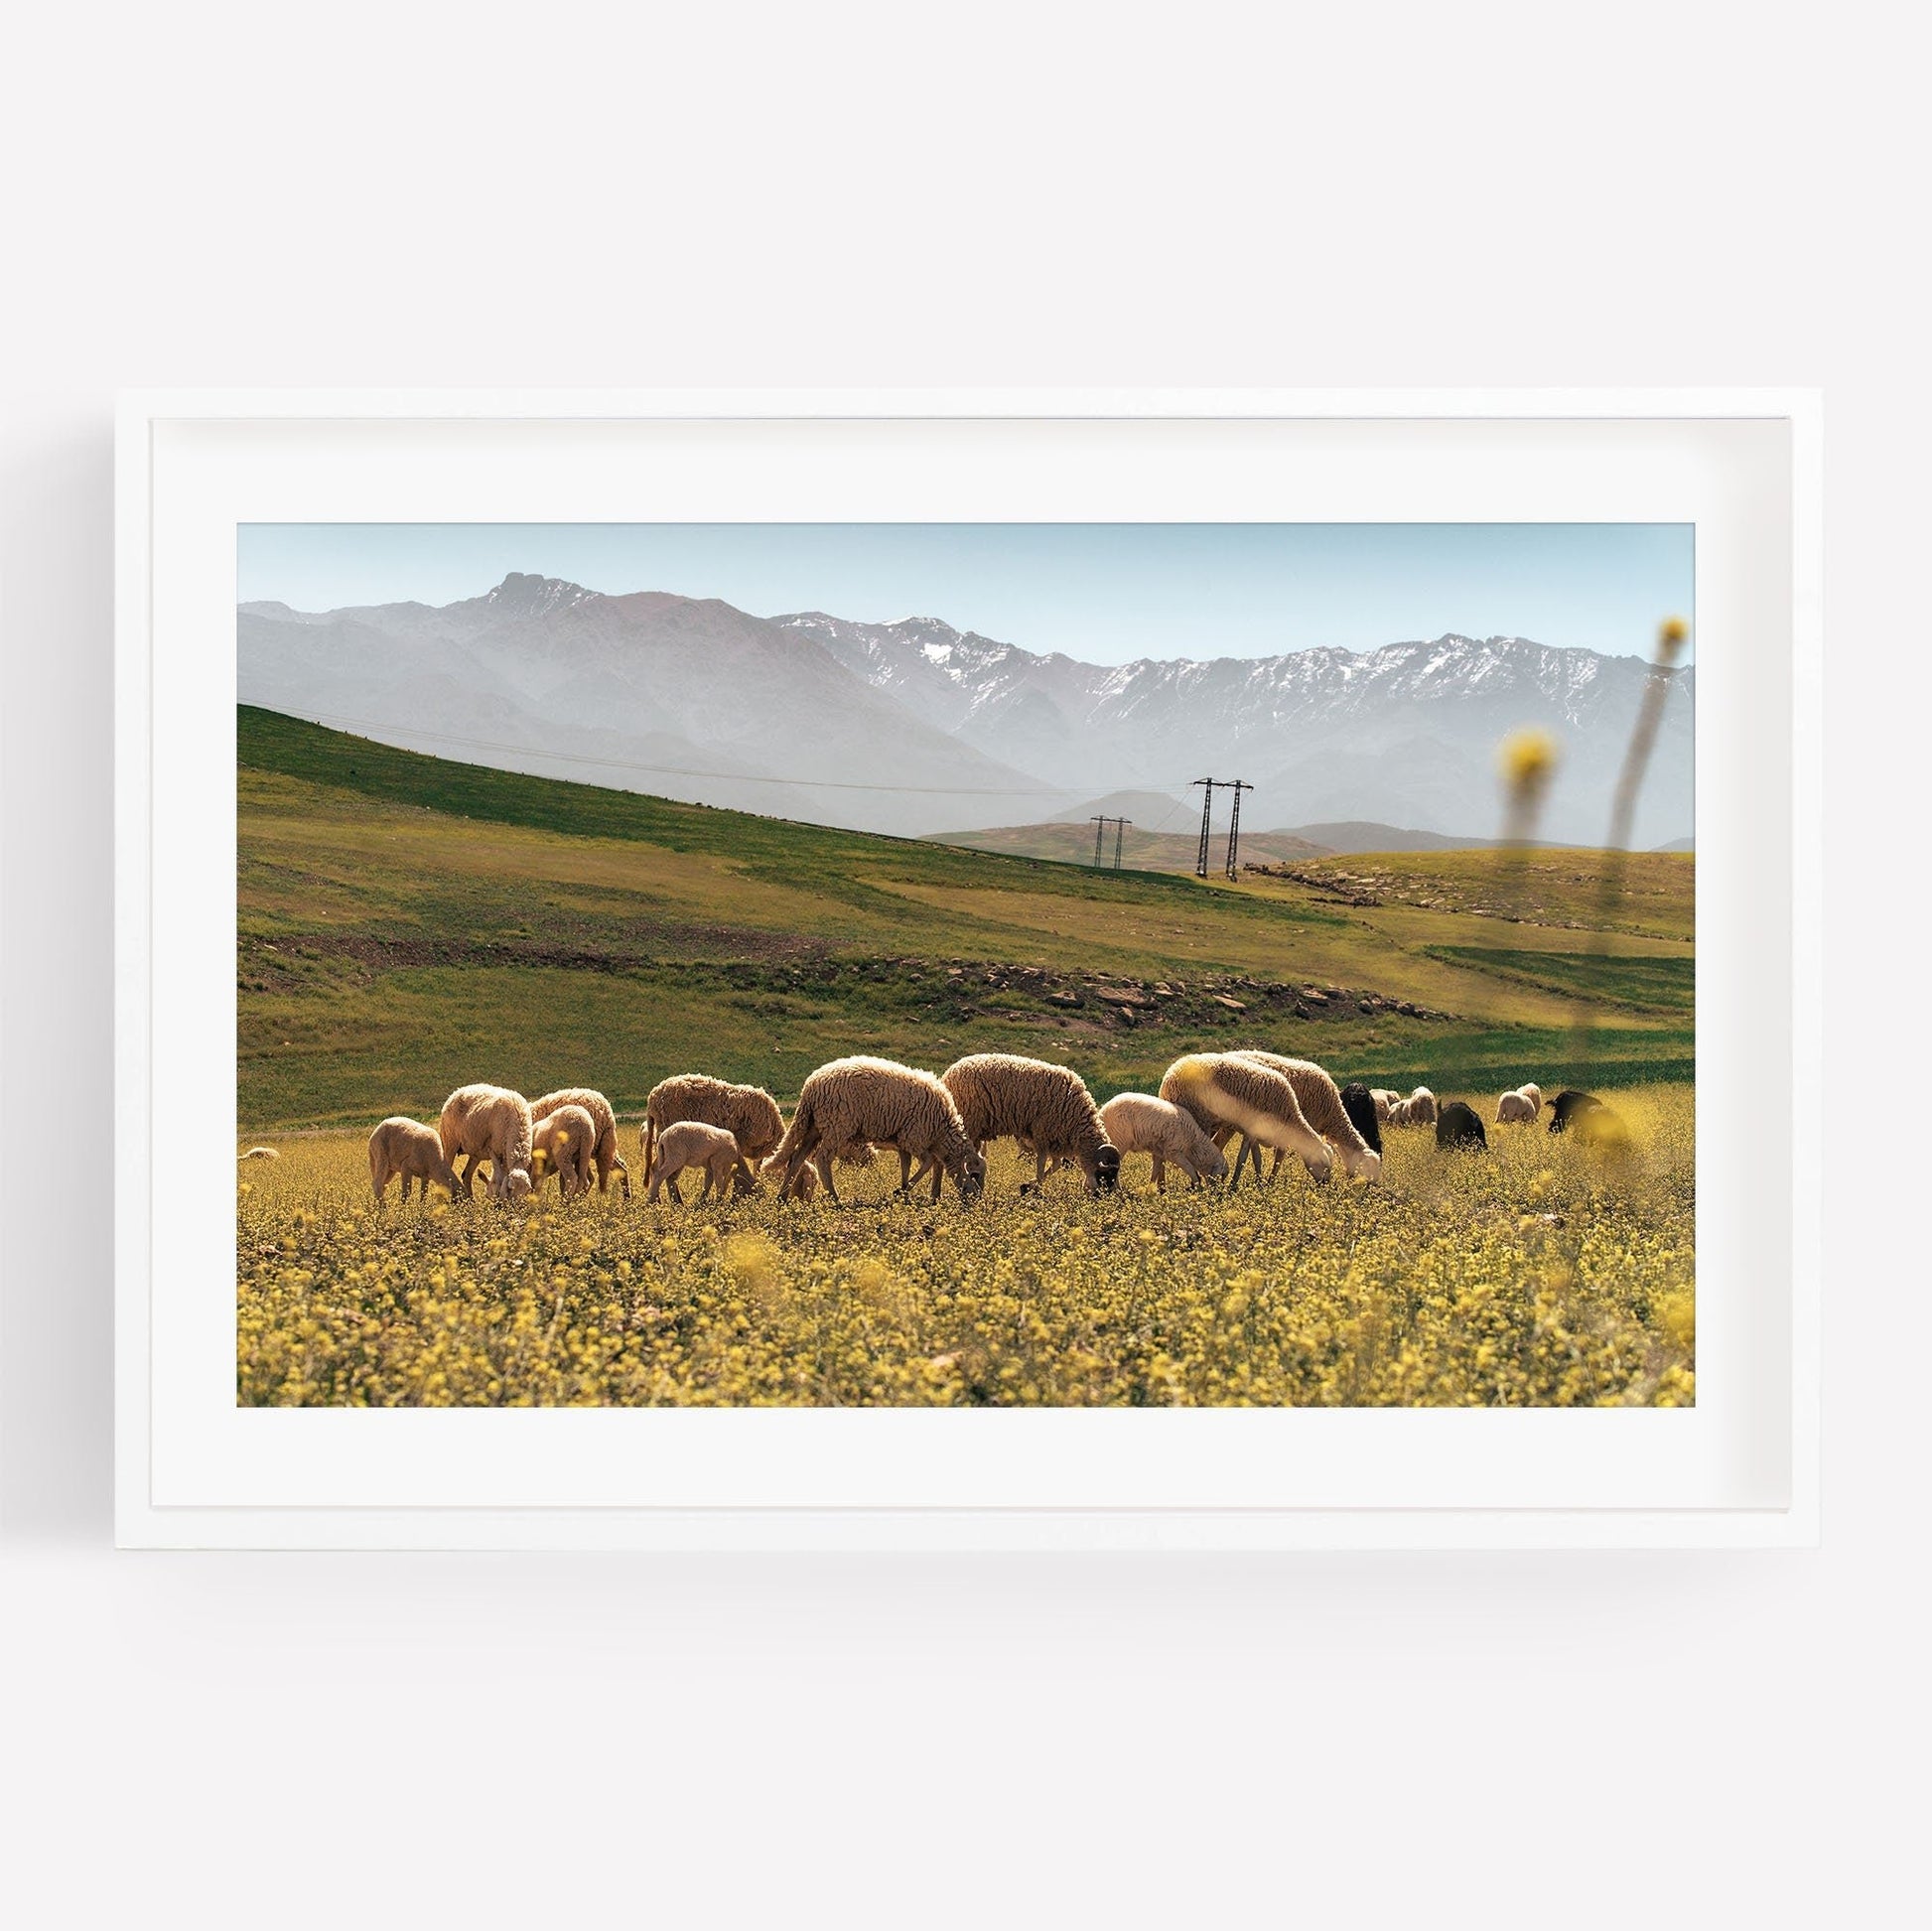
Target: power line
(685, 770)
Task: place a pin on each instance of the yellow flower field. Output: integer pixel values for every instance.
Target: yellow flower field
(1534, 1275)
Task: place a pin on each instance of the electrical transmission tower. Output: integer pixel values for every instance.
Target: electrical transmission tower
(1234, 822)
(1100, 825)
(1206, 814)
(1207, 788)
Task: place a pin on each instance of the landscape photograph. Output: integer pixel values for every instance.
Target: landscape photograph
(1050, 965)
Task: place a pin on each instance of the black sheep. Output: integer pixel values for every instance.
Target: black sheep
(1567, 1105)
(1359, 1104)
(1461, 1125)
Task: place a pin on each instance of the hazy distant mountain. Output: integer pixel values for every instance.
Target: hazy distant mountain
(1404, 733)
(917, 728)
(647, 692)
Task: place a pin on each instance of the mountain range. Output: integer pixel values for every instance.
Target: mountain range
(917, 727)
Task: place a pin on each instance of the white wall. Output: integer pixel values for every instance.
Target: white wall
(398, 193)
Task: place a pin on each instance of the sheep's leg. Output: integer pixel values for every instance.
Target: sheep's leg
(469, 1175)
(1160, 1174)
(800, 1153)
(823, 1162)
(623, 1172)
(1243, 1148)
(1275, 1167)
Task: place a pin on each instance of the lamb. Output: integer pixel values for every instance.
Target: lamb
(1224, 1090)
(1421, 1108)
(889, 1105)
(1524, 1103)
(1138, 1123)
(414, 1150)
(1567, 1105)
(806, 1183)
(691, 1142)
(747, 1113)
(489, 1123)
(259, 1153)
(1046, 1108)
(566, 1140)
(1460, 1125)
(1322, 1108)
(1359, 1104)
(603, 1119)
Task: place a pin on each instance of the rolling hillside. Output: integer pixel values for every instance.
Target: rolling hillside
(407, 924)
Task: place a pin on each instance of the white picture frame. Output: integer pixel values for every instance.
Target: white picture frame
(1739, 1469)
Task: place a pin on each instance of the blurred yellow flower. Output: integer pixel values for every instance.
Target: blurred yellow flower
(1528, 758)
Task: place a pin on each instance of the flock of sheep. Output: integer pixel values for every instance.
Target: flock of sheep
(937, 1125)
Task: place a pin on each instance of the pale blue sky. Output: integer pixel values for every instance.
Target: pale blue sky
(1106, 593)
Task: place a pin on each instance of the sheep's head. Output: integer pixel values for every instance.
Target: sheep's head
(969, 1174)
(1319, 1166)
(1367, 1167)
(1106, 1169)
(1214, 1163)
(517, 1186)
(742, 1182)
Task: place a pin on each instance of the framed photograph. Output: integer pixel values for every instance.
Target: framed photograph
(968, 971)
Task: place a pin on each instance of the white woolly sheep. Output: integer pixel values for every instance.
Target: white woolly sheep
(604, 1118)
(889, 1105)
(565, 1142)
(1139, 1122)
(1518, 1107)
(1046, 1108)
(1420, 1105)
(1322, 1107)
(414, 1150)
(489, 1123)
(1221, 1089)
(1385, 1102)
(259, 1153)
(747, 1113)
(693, 1143)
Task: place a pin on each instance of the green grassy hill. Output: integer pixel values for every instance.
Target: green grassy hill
(406, 925)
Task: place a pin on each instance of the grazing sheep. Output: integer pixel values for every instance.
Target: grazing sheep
(1421, 1108)
(747, 1113)
(1222, 1090)
(489, 1123)
(565, 1140)
(1517, 1107)
(1567, 1105)
(805, 1184)
(1138, 1123)
(1386, 1101)
(259, 1153)
(691, 1142)
(1460, 1125)
(604, 1118)
(1321, 1108)
(414, 1150)
(1359, 1104)
(889, 1105)
(1046, 1108)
